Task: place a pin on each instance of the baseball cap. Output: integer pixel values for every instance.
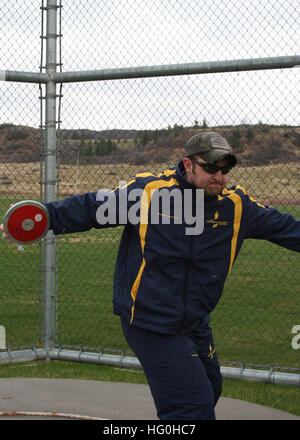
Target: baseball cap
(211, 146)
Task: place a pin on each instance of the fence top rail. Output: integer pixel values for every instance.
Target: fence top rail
(239, 65)
(27, 77)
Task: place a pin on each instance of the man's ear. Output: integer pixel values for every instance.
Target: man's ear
(187, 163)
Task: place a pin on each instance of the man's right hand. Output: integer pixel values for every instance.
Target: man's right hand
(4, 234)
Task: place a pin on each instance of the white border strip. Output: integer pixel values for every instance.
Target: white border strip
(47, 414)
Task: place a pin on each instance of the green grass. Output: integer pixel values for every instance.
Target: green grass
(285, 398)
(252, 323)
(259, 307)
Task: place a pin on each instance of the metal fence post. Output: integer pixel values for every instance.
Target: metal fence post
(50, 173)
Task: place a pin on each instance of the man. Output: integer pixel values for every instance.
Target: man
(169, 276)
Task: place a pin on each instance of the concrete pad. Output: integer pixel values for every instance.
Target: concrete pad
(234, 409)
(106, 400)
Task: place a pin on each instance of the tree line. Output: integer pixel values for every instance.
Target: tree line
(98, 147)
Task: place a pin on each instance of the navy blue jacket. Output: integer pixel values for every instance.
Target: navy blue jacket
(165, 280)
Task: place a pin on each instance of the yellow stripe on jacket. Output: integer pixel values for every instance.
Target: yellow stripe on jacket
(148, 192)
(238, 208)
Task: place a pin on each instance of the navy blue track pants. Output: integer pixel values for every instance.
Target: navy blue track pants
(183, 372)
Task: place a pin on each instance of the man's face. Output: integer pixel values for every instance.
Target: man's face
(213, 184)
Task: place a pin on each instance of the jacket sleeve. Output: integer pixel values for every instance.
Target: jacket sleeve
(74, 214)
(99, 209)
(270, 224)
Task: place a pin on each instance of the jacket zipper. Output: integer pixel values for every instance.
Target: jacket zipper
(185, 282)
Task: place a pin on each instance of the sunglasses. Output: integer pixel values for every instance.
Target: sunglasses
(212, 168)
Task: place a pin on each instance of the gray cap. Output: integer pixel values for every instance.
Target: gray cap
(210, 146)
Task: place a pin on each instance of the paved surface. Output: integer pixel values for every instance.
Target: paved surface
(105, 400)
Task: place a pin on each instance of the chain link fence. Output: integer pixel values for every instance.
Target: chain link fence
(107, 130)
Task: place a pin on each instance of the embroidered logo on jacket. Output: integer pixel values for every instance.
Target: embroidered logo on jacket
(211, 352)
(215, 222)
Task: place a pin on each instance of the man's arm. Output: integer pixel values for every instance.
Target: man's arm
(270, 224)
(99, 209)
(74, 214)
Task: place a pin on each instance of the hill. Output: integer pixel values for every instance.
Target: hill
(254, 144)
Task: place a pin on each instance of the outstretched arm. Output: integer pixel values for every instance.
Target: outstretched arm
(74, 214)
(272, 225)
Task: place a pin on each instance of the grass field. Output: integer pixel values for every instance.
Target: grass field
(252, 323)
(264, 183)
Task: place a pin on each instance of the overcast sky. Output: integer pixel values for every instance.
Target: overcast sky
(122, 33)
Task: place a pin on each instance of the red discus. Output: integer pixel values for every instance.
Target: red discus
(26, 222)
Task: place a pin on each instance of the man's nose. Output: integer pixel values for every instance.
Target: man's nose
(218, 174)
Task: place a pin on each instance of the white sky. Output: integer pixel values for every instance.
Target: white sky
(122, 33)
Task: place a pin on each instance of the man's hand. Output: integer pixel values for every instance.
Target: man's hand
(6, 237)
(4, 234)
